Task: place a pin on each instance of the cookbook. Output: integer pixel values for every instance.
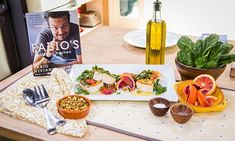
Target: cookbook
(54, 40)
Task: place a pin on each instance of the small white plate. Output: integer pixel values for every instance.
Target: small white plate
(137, 38)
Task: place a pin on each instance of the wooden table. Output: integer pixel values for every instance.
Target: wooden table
(104, 45)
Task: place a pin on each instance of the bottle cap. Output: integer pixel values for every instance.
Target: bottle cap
(157, 5)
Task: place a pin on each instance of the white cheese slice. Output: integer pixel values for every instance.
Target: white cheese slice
(97, 76)
(91, 89)
(144, 87)
(107, 79)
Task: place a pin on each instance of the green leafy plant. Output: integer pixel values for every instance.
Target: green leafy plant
(207, 53)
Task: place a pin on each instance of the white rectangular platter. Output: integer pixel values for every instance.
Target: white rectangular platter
(167, 79)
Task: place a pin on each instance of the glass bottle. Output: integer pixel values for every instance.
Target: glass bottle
(156, 37)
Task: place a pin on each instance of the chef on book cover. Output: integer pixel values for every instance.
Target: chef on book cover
(57, 40)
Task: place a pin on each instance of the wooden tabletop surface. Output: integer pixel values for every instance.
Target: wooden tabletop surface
(105, 45)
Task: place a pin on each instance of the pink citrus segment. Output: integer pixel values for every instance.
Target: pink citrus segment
(126, 81)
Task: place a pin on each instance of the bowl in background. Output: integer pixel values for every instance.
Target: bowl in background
(159, 106)
(189, 73)
(73, 106)
(181, 113)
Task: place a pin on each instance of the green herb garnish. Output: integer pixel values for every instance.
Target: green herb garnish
(158, 88)
(145, 74)
(85, 75)
(81, 91)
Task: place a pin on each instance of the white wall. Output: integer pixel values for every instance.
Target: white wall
(4, 67)
(194, 17)
(44, 5)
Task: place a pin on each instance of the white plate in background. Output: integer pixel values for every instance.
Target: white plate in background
(167, 79)
(137, 38)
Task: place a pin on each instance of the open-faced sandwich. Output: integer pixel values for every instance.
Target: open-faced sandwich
(107, 78)
(148, 81)
(87, 83)
(103, 75)
(96, 80)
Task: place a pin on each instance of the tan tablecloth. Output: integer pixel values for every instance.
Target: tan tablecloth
(13, 104)
(131, 116)
(136, 117)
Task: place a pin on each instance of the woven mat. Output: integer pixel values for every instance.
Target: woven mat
(13, 104)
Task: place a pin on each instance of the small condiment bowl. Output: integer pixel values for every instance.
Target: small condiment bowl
(159, 106)
(69, 111)
(181, 113)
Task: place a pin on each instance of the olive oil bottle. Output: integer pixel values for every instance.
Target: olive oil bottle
(156, 37)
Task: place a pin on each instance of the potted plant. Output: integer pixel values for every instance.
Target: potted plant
(205, 56)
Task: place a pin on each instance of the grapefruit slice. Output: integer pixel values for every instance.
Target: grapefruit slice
(206, 81)
(126, 81)
(202, 99)
(192, 95)
(211, 99)
(186, 89)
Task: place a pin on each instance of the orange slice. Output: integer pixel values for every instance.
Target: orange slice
(202, 99)
(211, 99)
(206, 81)
(192, 96)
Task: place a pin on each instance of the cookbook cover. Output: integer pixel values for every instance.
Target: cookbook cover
(54, 40)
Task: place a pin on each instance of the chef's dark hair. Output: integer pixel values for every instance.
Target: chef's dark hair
(56, 15)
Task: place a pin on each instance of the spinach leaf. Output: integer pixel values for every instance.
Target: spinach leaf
(200, 62)
(226, 48)
(185, 43)
(226, 59)
(197, 49)
(211, 64)
(211, 40)
(215, 54)
(185, 57)
(210, 43)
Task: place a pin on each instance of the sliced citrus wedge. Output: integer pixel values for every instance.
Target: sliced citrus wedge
(206, 81)
(202, 99)
(126, 81)
(218, 105)
(211, 99)
(192, 94)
